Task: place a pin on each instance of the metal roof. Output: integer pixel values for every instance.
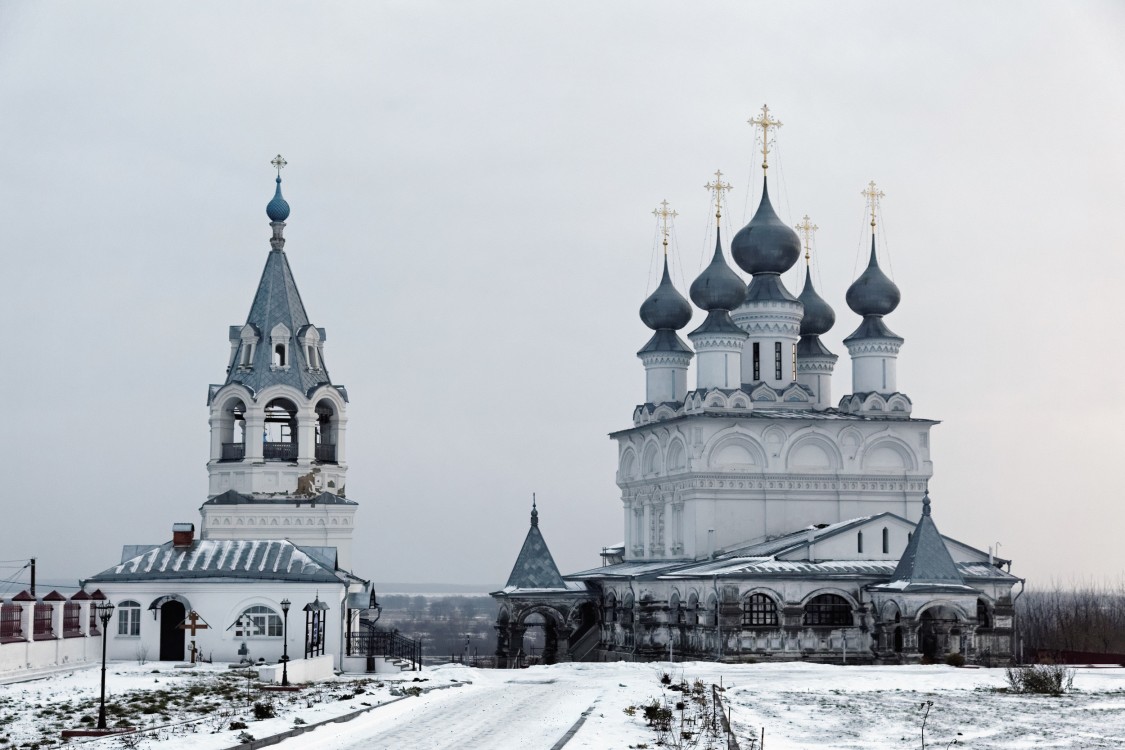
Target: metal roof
(535, 568)
(253, 559)
(927, 559)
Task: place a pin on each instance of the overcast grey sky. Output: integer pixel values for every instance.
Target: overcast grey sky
(471, 187)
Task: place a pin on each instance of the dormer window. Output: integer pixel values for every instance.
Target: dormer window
(249, 340)
(310, 338)
(279, 340)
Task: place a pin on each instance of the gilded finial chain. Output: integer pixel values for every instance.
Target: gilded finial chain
(765, 122)
(807, 230)
(873, 194)
(718, 187)
(665, 215)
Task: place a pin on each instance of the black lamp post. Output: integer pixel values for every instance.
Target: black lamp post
(372, 606)
(285, 644)
(105, 614)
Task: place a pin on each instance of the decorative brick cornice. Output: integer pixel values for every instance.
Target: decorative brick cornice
(666, 359)
(874, 346)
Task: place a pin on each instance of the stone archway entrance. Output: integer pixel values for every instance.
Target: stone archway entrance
(939, 633)
(544, 632)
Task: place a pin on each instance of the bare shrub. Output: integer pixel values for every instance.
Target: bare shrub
(1045, 679)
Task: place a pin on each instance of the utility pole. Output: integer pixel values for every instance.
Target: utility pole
(31, 563)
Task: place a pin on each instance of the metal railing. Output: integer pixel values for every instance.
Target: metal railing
(326, 453)
(387, 645)
(279, 451)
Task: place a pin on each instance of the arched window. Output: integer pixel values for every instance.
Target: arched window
(828, 609)
(258, 622)
(279, 355)
(886, 541)
(675, 611)
(758, 610)
(693, 610)
(611, 607)
(859, 543)
(129, 618)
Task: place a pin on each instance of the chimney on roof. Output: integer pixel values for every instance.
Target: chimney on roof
(183, 534)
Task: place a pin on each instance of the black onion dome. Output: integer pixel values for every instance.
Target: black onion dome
(819, 315)
(873, 293)
(718, 287)
(665, 307)
(766, 244)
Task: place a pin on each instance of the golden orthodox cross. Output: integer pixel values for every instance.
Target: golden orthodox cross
(278, 163)
(193, 623)
(807, 230)
(718, 187)
(665, 215)
(873, 195)
(765, 122)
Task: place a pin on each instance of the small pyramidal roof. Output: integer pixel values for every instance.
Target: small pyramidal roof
(926, 560)
(535, 568)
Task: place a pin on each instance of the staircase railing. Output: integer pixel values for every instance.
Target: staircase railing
(586, 643)
(386, 644)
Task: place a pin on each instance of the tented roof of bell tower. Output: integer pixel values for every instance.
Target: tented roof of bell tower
(277, 302)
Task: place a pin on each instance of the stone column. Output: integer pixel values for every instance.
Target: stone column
(306, 435)
(341, 431)
(255, 426)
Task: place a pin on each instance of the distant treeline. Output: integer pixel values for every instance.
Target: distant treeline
(448, 625)
(1077, 619)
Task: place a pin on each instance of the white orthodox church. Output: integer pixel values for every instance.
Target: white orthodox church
(763, 520)
(270, 570)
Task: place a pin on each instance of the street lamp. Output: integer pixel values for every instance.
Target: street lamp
(372, 606)
(285, 644)
(104, 610)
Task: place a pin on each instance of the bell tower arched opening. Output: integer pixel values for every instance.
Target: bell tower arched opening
(327, 432)
(279, 440)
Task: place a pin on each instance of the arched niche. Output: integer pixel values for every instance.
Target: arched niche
(814, 453)
(677, 456)
(650, 461)
(735, 452)
(628, 464)
(888, 454)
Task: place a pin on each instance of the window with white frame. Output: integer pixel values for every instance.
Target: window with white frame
(258, 621)
(129, 618)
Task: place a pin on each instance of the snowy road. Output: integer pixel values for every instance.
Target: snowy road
(527, 712)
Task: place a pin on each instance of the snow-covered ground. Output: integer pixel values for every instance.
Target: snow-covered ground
(799, 705)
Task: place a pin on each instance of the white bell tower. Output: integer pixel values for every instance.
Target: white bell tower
(277, 464)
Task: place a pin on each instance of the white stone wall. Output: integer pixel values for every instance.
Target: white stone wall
(308, 525)
(220, 603)
(748, 479)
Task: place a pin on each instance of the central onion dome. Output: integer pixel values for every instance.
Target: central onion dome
(819, 315)
(718, 287)
(665, 308)
(873, 293)
(277, 209)
(766, 244)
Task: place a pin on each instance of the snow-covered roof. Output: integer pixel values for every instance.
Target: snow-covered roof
(218, 559)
